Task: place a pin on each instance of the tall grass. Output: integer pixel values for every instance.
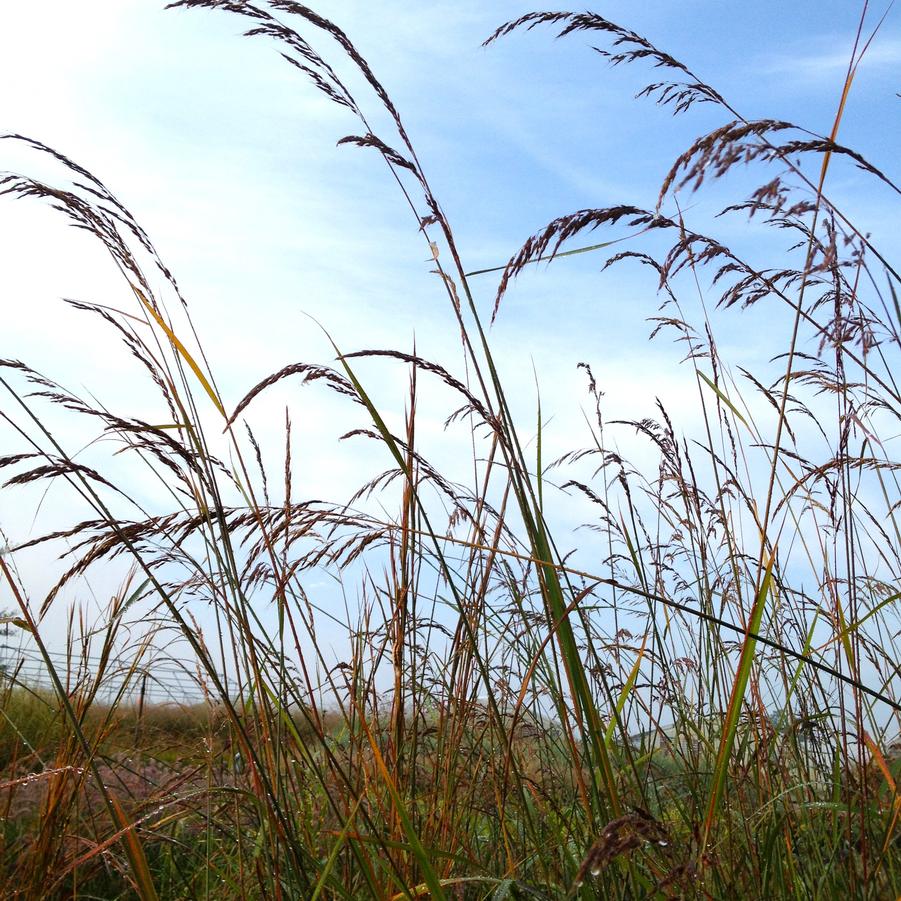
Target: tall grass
(705, 712)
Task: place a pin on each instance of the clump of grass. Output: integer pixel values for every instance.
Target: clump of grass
(686, 720)
(31, 720)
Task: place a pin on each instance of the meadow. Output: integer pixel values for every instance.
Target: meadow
(695, 695)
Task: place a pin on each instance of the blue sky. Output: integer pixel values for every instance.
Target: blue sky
(228, 159)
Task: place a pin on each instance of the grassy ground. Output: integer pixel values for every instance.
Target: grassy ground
(707, 713)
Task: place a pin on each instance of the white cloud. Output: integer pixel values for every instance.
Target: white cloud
(833, 60)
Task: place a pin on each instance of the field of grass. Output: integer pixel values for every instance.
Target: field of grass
(709, 710)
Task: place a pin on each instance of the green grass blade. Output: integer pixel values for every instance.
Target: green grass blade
(736, 699)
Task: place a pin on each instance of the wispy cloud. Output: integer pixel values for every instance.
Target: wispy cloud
(824, 64)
